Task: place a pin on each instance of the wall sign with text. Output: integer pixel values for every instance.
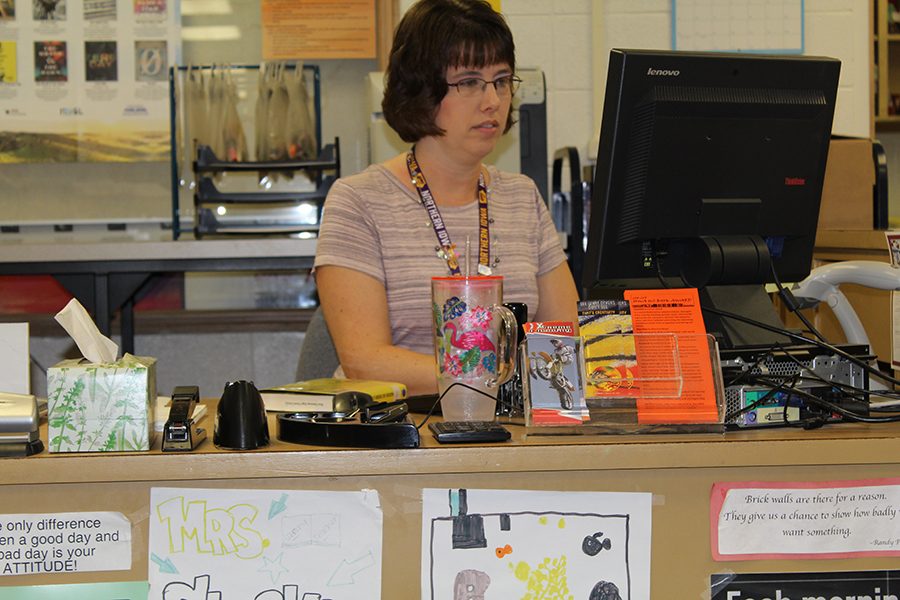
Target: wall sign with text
(86, 81)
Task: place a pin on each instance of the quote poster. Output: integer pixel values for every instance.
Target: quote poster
(814, 520)
(86, 81)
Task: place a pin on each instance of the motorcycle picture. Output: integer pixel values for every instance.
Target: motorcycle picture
(550, 367)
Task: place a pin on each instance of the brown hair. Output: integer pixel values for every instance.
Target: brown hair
(433, 36)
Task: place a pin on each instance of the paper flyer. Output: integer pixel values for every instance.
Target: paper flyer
(535, 544)
(264, 544)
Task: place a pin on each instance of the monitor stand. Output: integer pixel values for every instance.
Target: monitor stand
(750, 301)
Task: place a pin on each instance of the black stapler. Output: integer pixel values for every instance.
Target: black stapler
(180, 433)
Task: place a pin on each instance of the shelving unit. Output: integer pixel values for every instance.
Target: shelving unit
(214, 196)
(261, 211)
(886, 68)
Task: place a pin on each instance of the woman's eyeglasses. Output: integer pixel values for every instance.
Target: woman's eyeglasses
(474, 86)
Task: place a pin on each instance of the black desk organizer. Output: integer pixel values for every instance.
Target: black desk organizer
(198, 174)
(260, 207)
(298, 428)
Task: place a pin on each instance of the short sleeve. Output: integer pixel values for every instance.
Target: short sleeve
(348, 236)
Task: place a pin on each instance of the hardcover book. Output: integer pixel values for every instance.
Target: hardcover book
(318, 395)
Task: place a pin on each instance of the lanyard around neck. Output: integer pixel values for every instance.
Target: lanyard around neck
(448, 248)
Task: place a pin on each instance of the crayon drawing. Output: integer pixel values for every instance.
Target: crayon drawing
(264, 544)
(535, 545)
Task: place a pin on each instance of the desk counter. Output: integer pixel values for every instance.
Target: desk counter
(678, 470)
(105, 276)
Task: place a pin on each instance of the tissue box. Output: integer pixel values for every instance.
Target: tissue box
(101, 407)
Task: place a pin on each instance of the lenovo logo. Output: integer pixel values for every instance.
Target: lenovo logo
(794, 181)
(663, 72)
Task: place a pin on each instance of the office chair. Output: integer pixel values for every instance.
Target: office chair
(318, 358)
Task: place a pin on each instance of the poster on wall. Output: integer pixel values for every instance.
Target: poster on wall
(264, 544)
(301, 29)
(86, 81)
(831, 585)
(535, 544)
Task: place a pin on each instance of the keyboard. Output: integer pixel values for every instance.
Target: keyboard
(464, 432)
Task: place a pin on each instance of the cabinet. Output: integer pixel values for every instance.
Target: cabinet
(678, 469)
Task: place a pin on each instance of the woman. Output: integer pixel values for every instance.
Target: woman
(448, 91)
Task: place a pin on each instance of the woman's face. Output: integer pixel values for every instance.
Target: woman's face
(473, 123)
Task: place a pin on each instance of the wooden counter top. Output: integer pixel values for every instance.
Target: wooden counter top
(836, 444)
(24, 251)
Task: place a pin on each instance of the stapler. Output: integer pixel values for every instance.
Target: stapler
(180, 433)
(19, 423)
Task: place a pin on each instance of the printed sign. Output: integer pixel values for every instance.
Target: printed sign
(759, 520)
(859, 585)
(64, 543)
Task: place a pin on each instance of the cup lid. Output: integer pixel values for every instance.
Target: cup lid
(469, 278)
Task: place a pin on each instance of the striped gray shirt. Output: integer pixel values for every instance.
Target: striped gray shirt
(374, 224)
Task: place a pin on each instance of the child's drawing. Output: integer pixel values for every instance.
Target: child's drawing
(264, 545)
(535, 545)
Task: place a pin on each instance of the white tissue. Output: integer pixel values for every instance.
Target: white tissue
(94, 346)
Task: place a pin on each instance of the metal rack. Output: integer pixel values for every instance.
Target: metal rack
(246, 202)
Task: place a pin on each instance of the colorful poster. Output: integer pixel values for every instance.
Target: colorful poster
(101, 61)
(150, 61)
(535, 544)
(8, 71)
(86, 81)
(99, 10)
(50, 61)
(7, 10)
(150, 8)
(211, 543)
(49, 10)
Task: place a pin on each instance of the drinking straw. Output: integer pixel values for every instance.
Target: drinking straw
(468, 254)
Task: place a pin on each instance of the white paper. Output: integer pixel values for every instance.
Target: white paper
(565, 544)
(14, 358)
(264, 544)
(819, 519)
(94, 346)
(738, 25)
(64, 543)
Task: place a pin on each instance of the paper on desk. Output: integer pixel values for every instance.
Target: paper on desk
(94, 346)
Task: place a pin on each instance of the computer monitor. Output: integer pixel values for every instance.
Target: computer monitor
(709, 174)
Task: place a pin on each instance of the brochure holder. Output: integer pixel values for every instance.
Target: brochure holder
(647, 383)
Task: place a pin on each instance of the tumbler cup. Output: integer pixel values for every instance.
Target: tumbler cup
(474, 344)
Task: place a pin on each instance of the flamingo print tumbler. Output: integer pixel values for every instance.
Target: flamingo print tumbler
(474, 344)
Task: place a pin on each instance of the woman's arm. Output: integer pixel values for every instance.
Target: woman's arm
(557, 296)
(355, 308)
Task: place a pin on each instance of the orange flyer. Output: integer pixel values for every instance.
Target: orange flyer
(675, 311)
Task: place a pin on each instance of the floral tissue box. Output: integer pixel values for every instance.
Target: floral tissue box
(105, 407)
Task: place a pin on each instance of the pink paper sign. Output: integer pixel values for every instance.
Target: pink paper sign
(815, 520)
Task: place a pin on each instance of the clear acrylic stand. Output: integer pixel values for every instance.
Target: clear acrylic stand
(647, 383)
